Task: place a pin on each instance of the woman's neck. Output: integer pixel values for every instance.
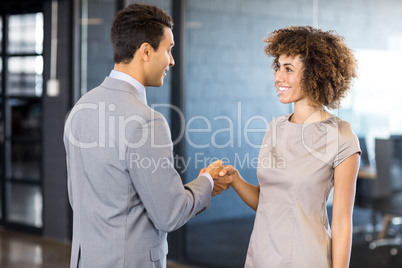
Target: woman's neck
(304, 113)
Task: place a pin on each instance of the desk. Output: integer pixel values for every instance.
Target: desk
(372, 184)
(367, 173)
(391, 204)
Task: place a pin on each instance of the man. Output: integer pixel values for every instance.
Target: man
(123, 188)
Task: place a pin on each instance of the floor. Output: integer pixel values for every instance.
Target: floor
(30, 251)
(224, 245)
(19, 250)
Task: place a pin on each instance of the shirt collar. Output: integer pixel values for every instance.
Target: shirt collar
(132, 81)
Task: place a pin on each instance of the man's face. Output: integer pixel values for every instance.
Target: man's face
(160, 60)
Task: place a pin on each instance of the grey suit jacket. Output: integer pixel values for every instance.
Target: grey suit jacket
(122, 185)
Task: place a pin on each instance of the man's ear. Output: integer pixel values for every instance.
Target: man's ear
(145, 51)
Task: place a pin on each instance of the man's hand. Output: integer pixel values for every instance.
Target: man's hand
(214, 168)
(221, 180)
(220, 184)
(225, 179)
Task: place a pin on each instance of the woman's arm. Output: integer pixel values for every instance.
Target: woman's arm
(248, 193)
(344, 194)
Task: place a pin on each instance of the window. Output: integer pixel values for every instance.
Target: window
(21, 114)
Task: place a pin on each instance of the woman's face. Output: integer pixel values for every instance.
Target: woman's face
(288, 77)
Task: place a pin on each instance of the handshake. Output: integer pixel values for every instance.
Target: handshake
(223, 176)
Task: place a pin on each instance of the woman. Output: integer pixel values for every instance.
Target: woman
(304, 155)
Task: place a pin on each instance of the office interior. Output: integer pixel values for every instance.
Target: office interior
(218, 100)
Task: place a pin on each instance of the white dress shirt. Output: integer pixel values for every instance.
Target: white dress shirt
(132, 81)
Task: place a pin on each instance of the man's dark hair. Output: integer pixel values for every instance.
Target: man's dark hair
(137, 24)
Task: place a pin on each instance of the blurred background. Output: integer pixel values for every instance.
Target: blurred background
(218, 100)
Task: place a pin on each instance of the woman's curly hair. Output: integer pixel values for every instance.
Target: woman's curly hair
(329, 65)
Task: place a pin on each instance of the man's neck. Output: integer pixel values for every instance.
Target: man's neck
(129, 70)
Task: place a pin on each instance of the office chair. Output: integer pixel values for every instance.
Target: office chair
(388, 199)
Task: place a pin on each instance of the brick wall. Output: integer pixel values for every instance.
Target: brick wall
(226, 66)
(230, 82)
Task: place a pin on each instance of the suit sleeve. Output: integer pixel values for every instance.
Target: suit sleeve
(150, 161)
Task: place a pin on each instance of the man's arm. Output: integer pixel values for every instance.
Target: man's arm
(169, 204)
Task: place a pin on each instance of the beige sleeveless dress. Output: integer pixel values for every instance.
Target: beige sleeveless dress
(295, 173)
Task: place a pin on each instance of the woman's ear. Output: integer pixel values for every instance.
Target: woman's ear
(145, 51)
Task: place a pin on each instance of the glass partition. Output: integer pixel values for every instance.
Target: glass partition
(21, 120)
(25, 33)
(25, 77)
(25, 206)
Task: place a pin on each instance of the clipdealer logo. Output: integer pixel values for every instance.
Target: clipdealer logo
(111, 128)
